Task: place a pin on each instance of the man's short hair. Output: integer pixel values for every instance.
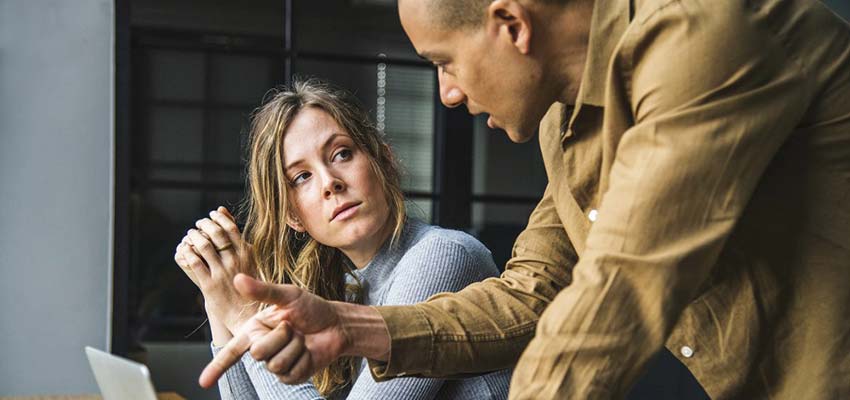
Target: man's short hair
(456, 14)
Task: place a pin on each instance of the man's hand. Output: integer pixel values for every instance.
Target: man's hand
(299, 334)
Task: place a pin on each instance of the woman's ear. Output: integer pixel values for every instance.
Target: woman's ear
(295, 223)
(513, 20)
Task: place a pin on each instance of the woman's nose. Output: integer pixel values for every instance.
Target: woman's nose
(334, 186)
(450, 94)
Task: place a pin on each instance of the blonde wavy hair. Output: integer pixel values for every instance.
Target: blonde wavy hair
(278, 255)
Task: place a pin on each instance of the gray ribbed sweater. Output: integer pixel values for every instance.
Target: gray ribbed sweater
(427, 260)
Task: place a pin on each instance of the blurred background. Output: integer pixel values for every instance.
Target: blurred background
(124, 121)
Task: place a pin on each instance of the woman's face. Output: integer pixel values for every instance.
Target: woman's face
(335, 194)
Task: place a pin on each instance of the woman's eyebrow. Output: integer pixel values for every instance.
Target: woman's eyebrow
(331, 139)
(324, 148)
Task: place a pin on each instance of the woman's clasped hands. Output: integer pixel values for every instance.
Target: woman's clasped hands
(211, 255)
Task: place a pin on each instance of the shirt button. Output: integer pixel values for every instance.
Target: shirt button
(687, 352)
(592, 215)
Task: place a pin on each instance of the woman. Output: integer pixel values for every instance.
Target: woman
(326, 213)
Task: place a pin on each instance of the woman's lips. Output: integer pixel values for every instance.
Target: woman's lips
(347, 213)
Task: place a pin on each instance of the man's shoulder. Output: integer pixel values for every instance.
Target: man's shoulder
(643, 8)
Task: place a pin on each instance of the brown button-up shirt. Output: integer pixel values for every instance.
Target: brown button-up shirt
(698, 198)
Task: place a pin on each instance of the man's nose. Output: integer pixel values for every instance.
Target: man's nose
(450, 93)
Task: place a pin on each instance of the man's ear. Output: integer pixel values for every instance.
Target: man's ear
(512, 19)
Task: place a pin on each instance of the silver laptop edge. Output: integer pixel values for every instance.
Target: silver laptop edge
(120, 378)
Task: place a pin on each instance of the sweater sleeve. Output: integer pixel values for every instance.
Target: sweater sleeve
(432, 266)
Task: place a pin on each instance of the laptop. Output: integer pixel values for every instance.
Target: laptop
(120, 378)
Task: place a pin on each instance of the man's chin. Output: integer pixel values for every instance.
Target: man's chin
(520, 135)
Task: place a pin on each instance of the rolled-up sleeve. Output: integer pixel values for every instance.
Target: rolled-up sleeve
(713, 96)
(486, 326)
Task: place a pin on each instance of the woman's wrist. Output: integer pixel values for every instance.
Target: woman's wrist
(220, 333)
(232, 317)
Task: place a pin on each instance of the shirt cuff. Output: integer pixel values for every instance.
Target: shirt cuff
(411, 343)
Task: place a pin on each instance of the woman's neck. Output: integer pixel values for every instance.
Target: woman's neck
(362, 254)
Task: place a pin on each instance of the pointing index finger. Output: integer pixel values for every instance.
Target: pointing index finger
(229, 355)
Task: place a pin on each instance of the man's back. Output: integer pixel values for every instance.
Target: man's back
(724, 127)
(780, 292)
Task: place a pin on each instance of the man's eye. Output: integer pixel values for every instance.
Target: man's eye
(300, 178)
(342, 155)
(443, 68)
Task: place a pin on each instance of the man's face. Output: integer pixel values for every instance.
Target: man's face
(481, 68)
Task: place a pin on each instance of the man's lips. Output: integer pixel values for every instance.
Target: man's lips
(491, 123)
(344, 210)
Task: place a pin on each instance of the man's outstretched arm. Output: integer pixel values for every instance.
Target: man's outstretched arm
(482, 328)
(487, 325)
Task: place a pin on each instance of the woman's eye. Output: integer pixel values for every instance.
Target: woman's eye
(342, 155)
(300, 178)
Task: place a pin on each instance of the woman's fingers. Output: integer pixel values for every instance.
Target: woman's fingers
(215, 233)
(179, 258)
(226, 212)
(178, 255)
(205, 248)
(186, 241)
(181, 261)
(196, 264)
(223, 218)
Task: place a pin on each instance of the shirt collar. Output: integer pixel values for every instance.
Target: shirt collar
(607, 26)
(609, 22)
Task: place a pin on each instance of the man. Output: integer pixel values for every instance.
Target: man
(698, 154)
